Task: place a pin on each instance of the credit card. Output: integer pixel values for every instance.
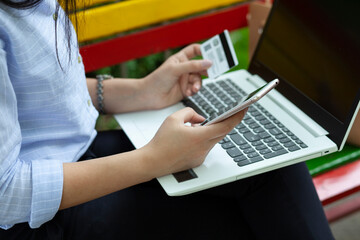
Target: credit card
(220, 50)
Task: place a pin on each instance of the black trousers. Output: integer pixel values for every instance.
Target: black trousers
(281, 204)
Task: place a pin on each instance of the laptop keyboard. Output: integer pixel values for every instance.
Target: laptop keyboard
(258, 137)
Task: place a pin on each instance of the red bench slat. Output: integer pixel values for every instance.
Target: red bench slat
(338, 183)
(157, 39)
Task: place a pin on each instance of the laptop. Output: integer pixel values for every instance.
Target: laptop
(313, 48)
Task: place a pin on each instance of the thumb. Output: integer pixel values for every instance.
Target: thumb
(188, 115)
(193, 66)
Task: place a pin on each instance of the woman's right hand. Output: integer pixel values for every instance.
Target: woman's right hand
(177, 146)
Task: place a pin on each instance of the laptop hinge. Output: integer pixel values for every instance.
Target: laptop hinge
(298, 115)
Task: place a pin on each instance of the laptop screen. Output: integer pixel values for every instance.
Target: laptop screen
(313, 46)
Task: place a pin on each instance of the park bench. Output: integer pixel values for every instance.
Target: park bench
(118, 31)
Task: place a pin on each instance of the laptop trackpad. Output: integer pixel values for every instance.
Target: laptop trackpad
(185, 175)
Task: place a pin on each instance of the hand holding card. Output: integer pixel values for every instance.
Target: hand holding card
(220, 50)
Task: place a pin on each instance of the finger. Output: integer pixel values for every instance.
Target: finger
(192, 51)
(192, 66)
(204, 73)
(192, 84)
(218, 139)
(194, 77)
(184, 85)
(195, 82)
(188, 115)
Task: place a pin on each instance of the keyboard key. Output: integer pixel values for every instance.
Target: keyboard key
(227, 145)
(240, 125)
(280, 136)
(265, 151)
(269, 140)
(247, 117)
(263, 135)
(275, 131)
(243, 163)
(269, 126)
(285, 140)
(243, 130)
(257, 143)
(219, 105)
(258, 130)
(273, 144)
(234, 152)
(249, 121)
(289, 144)
(251, 137)
(265, 121)
(285, 130)
(224, 140)
(254, 125)
(244, 146)
(239, 140)
(303, 145)
(293, 148)
(232, 132)
(248, 151)
(277, 148)
(240, 158)
(255, 113)
(261, 147)
(275, 154)
(253, 155)
(256, 159)
(252, 109)
(260, 117)
(294, 138)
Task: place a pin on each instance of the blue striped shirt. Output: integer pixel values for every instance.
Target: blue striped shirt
(46, 115)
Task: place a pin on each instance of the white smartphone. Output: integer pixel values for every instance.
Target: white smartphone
(237, 107)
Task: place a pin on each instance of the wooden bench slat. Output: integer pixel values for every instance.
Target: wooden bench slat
(123, 16)
(345, 208)
(136, 45)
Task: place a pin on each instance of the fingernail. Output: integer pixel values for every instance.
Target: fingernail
(206, 63)
(197, 86)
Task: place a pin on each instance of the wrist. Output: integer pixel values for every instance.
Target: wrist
(147, 96)
(146, 163)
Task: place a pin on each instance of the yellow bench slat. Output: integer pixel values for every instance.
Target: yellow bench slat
(89, 3)
(122, 16)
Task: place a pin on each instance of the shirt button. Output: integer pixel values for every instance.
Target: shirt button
(89, 102)
(79, 59)
(55, 16)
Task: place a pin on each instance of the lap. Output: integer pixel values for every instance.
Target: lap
(280, 204)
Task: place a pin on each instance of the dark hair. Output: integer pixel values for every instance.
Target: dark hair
(21, 5)
(69, 6)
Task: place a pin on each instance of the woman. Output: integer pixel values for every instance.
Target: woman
(62, 180)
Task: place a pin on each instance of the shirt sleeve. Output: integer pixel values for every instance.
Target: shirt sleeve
(30, 190)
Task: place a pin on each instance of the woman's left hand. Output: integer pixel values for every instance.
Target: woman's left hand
(176, 78)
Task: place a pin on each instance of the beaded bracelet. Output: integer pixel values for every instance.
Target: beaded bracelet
(100, 91)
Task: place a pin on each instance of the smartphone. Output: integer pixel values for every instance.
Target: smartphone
(237, 107)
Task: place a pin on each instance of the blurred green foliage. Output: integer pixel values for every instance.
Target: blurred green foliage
(143, 66)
